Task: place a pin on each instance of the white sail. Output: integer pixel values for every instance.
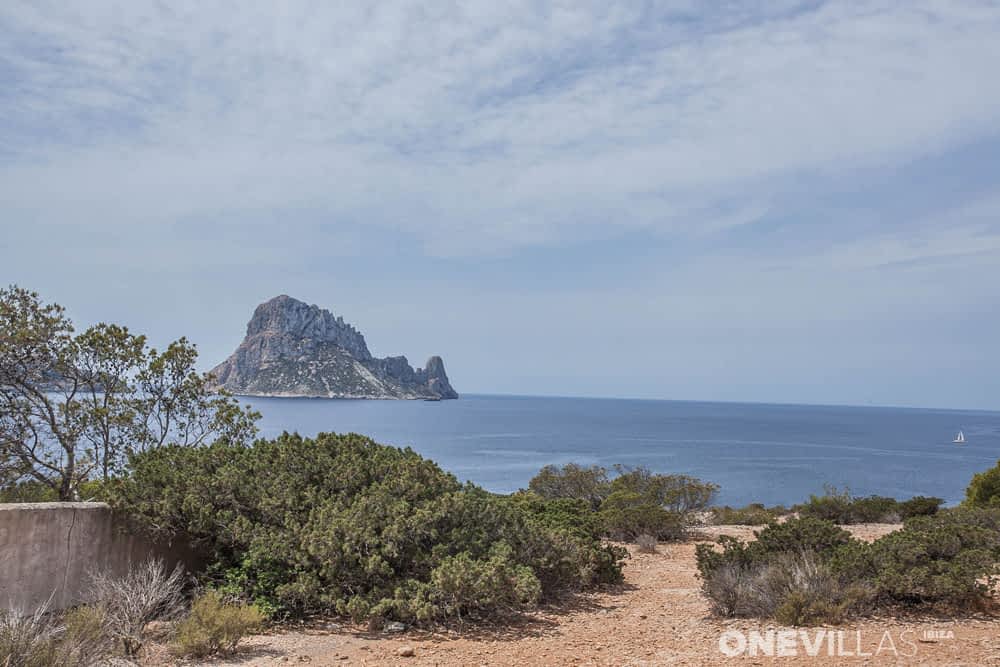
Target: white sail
(960, 437)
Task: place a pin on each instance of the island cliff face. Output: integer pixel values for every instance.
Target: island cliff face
(294, 349)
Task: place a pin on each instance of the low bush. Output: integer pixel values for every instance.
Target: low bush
(28, 640)
(919, 506)
(633, 502)
(679, 494)
(809, 570)
(754, 514)
(841, 508)
(834, 506)
(873, 509)
(792, 588)
(342, 524)
(574, 482)
(85, 640)
(948, 559)
(214, 626)
(625, 515)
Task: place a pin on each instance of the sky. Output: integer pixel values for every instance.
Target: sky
(771, 202)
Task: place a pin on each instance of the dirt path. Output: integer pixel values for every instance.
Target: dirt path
(657, 618)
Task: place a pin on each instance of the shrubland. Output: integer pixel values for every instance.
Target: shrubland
(840, 507)
(808, 570)
(341, 524)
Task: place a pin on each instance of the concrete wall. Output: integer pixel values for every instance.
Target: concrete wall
(48, 549)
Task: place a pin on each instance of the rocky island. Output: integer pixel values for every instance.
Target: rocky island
(294, 349)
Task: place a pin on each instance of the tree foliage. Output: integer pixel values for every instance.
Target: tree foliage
(75, 406)
(984, 489)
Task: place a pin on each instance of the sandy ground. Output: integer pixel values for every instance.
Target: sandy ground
(658, 617)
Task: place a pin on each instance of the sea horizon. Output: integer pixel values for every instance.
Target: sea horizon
(757, 452)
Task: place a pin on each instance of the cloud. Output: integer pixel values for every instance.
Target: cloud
(699, 185)
(478, 127)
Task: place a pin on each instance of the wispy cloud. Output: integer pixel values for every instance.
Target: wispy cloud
(478, 124)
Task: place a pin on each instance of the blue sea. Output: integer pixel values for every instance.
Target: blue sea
(774, 454)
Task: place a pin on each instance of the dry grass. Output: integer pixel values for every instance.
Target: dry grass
(794, 589)
(42, 639)
(646, 544)
(146, 593)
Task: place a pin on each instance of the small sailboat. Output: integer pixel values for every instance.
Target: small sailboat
(959, 439)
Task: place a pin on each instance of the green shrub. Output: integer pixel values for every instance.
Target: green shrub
(919, 506)
(801, 534)
(833, 505)
(214, 626)
(342, 524)
(680, 494)
(575, 523)
(808, 570)
(984, 489)
(754, 514)
(625, 515)
(462, 585)
(948, 559)
(572, 481)
(569, 515)
(30, 491)
(841, 508)
(637, 501)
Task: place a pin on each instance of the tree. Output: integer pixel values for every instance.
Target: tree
(984, 489)
(75, 407)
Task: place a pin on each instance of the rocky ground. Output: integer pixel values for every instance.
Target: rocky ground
(658, 617)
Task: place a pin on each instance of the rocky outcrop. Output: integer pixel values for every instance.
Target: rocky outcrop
(294, 349)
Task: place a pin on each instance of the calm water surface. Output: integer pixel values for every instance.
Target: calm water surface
(766, 453)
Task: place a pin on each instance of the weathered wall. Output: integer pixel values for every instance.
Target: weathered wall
(49, 549)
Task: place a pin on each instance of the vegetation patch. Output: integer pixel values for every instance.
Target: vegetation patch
(342, 524)
(807, 571)
(754, 514)
(215, 626)
(840, 507)
(631, 502)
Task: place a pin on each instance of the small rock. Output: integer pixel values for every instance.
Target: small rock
(406, 651)
(395, 626)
